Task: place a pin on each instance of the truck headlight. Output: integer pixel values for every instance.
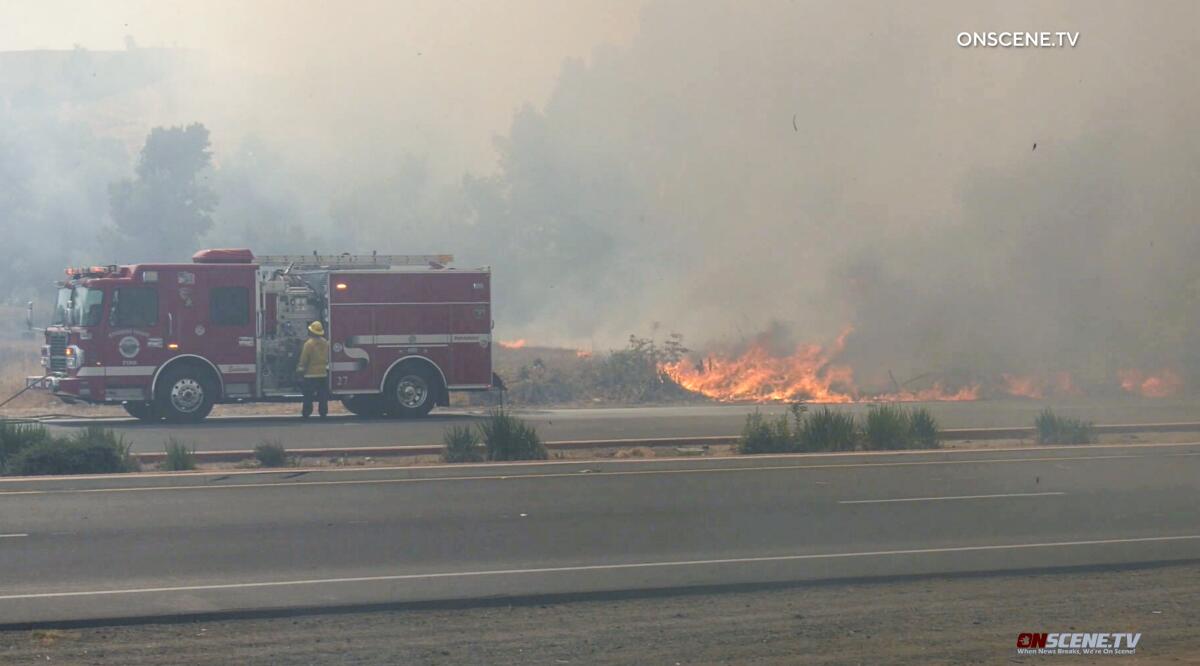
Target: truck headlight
(74, 357)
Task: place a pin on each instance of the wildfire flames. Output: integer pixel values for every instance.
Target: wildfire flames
(809, 373)
(512, 344)
(813, 373)
(1163, 384)
(1036, 387)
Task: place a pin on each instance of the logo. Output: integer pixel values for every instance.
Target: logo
(1078, 643)
(129, 346)
(199, 329)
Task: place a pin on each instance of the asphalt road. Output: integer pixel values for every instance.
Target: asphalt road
(149, 545)
(244, 432)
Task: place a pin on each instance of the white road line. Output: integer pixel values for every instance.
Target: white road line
(577, 475)
(952, 497)
(595, 567)
(12, 536)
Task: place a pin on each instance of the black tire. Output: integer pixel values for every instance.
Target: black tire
(411, 391)
(369, 406)
(142, 411)
(185, 394)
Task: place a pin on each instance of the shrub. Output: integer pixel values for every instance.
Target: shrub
(179, 456)
(461, 445)
(94, 450)
(892, 427)
(1054, 429)
(270, 453)
(924, 428)
(827, 430)
(761, 434)
(15, 437)
(888, 427)
(508, 438)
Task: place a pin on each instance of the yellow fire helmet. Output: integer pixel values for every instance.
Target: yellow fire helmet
(316, 328)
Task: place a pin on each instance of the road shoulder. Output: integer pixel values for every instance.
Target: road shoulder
(968, 619)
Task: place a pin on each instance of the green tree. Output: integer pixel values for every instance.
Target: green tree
(168, 205)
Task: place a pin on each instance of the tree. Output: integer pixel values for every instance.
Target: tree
(160, 213)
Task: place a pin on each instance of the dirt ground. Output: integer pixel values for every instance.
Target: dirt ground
(952, 620)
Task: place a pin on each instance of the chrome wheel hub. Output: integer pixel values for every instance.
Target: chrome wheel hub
(187, 395)
(412, 391)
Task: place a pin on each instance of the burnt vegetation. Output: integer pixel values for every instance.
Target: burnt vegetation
(631, 375)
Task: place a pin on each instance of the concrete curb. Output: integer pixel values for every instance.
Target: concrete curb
(966, 434)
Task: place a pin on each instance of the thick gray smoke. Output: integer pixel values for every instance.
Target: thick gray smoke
(731, 165)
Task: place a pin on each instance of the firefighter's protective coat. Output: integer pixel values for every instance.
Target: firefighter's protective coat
(314, 357)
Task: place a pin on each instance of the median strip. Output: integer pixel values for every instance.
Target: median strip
(956, 434)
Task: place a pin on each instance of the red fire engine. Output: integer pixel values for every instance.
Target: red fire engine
(168, 341)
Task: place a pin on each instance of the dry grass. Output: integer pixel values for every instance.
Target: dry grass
(635, 452)
(20, 358)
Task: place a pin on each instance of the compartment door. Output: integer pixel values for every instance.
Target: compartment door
(351, 344)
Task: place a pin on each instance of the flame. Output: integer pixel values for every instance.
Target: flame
(582, 353)
(1036, 387)
(1161, 385)
(1023, 386)
(809, 373)
(512, 344)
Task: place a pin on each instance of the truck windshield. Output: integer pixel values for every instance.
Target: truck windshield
(88, 306)
(62, 307)
(79, 306)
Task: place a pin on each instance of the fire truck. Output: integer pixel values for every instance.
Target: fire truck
(168, 341)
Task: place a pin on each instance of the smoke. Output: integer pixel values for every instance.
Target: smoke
(715, 168)
(833, 165)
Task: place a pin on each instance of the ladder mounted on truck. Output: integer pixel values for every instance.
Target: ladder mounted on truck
(351, 261)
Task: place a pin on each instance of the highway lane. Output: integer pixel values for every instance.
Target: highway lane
(195, 543)
(234, 433)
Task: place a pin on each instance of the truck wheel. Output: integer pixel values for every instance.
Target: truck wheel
(185, 395)
(142, 411)
(410, 391)
(370, 406)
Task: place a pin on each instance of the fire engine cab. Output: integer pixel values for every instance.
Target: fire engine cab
(168, 341)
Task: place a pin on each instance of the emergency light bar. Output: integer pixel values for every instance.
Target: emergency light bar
(353, 260)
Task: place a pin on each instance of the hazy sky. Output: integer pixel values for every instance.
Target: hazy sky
(454, 71)
(716, 165)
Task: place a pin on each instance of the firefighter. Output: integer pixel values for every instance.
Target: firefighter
(314, 366)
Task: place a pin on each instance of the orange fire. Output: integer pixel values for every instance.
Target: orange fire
(582, 353)
(1161, 385)
(1023, 386)
(1037, 387)
(809, 373)
(512, 344)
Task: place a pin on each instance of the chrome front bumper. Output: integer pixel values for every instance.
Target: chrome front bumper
(48, 383)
